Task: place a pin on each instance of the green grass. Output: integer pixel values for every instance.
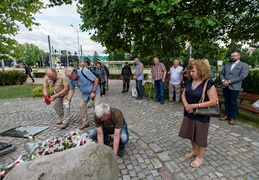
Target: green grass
(245, 117)
(19, 91)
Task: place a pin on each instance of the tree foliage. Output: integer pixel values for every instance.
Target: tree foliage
(12, 14)
(162, 27)
(28, 53)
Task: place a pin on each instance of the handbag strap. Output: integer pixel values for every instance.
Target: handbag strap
(203, 92)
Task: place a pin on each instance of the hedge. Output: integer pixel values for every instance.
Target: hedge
(8, 78)
(38, 91)
(38, 74)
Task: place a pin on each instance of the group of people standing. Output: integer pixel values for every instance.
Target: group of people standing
(111, 121)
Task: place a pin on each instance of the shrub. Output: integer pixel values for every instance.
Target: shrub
(12, 78)
(38, 91)
(38, 74)
(251, 82)
(149, 90)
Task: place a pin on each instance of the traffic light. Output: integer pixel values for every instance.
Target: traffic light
(75, 53)
(55, 51)
(69, 52)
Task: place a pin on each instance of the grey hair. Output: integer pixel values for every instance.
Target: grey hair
(102, 109)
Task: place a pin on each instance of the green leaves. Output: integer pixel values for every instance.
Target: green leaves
(13, 12)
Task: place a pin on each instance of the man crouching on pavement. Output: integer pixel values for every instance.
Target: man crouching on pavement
(60, 84)
(110, 121)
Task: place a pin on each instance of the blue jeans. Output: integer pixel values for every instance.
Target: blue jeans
(139, 88)
(124, 136)
(231, 105)
(159, 86)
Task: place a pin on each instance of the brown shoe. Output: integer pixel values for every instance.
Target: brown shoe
(232, 122)
(225, 118)
(59, 122)
(63, 125)
(84, 125)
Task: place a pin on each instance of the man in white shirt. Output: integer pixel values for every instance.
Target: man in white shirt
(175, 81)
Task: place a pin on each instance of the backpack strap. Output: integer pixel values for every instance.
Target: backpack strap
(86, 76)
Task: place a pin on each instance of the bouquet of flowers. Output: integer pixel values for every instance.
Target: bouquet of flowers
(5, 170)
(58, 144)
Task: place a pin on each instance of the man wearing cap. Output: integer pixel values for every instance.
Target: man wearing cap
(60, 84)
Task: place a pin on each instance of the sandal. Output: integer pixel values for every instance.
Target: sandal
(190, 154)
(197, 162)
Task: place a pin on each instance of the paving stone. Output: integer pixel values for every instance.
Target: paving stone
(157, 164)
(126, 177)
(172, 166)
(155, 148)
(164, 156)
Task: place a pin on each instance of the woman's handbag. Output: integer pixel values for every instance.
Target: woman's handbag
(213, 111)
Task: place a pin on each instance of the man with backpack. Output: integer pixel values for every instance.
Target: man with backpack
(88, 85)
(126, 74)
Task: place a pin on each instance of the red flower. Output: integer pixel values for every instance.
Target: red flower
(40, 153)
(17, 162)
(47, 153)
(69, 138)
(57, 142)
(50, 146)
(74, 134)
(56, 150)
(3, 174)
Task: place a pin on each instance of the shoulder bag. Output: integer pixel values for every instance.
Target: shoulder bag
(213, 111)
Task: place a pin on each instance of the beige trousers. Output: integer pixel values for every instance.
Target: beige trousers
(62, 112)
(174, 88)
(83, 106)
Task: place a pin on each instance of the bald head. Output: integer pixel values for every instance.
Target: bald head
(68, 71)
(176, 63)
(51, 73)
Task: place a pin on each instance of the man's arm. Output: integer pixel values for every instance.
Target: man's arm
(93, 93)
(164, 75)
(70, 94)
(116, 141)
(61, 93)
(100, 135)
(45, 90)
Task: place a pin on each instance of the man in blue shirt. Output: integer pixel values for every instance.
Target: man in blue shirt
(88, 85)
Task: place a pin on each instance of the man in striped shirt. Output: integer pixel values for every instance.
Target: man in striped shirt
(158, 75)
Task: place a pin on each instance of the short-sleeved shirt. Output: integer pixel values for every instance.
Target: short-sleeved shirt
(59, 84)
(175, 74)
(115, 121)
(158, 71)
(194, 96)
(85, 85)
(101, 73)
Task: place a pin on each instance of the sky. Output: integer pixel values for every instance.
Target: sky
(56, 22)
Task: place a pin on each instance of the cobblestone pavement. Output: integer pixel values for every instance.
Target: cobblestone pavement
(154, 151)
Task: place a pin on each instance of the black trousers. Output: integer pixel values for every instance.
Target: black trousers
(102, 87)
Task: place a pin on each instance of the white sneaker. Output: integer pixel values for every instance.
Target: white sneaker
(103, 95)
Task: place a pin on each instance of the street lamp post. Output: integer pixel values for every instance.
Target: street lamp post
(77, 41)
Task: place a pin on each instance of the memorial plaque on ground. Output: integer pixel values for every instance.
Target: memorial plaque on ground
(24, 131)
(6, 148)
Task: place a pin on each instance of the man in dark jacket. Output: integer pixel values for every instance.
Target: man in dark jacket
(126, 74)
(28, 71)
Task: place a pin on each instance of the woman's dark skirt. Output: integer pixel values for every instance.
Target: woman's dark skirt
(194, 130)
